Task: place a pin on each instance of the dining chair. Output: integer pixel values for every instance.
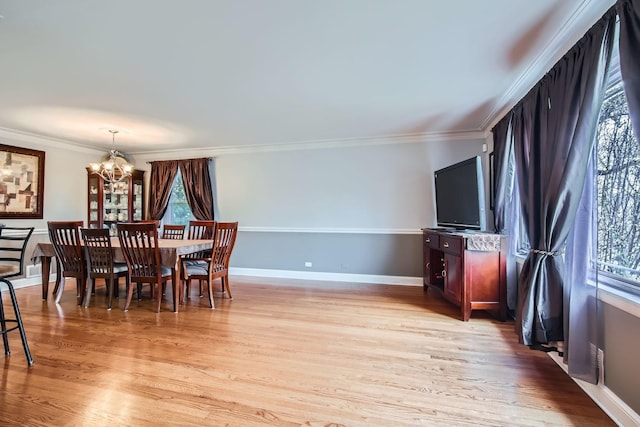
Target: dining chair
(201, 230)
(100, 263)
(217, 265)
(13, 242)
(173, 231)
(139, 244)
(148, 221)
(65, 238)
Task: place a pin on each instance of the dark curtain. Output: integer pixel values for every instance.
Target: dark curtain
(197, 187)
(504, 204)
(502, 173)
(162, 175)
(629, 13)
(554, 129)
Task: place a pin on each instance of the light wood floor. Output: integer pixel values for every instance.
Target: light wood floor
(282, 353)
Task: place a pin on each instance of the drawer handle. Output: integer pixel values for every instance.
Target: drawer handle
(428, 266)
(444, 273)
(427, 240)
(446, 244)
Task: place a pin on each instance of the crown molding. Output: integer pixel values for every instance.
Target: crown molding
(314, 144)
(45, 141)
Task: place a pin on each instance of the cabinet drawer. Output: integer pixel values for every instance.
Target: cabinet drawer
(432, 240)
(451, 244)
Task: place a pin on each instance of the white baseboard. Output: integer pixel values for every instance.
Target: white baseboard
(282, 274)
(30, 281)
(331, 277)
(610, 403)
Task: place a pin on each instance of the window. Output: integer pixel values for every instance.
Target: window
(178, 210)
(618, 184)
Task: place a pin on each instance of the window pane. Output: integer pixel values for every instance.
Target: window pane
(178, 211)
(618, 189)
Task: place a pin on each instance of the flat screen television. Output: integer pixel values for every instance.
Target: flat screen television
(460, 195)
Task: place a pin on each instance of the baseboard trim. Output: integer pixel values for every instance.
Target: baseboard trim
(282, 274)
(610, 403)
(331, 277)
(31, 281)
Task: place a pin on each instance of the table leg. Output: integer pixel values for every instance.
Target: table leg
(45, 270)
(177, 288)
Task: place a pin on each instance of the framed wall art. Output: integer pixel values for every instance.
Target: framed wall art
(21, 183)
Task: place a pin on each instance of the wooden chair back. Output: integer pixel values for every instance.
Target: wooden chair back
(139, 244)
(202, 230)
(173, 231)
(65, 238)
(100, 262)
(223, 243)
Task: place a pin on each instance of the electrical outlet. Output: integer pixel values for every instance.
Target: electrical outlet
(308, 264)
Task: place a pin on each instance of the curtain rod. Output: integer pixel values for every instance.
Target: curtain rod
(175, 160)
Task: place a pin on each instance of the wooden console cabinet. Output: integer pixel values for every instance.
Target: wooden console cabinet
(467, 268)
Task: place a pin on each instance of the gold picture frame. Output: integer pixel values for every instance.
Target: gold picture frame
(21, 183)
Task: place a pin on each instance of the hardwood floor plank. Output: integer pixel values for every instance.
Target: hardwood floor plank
(282, 353)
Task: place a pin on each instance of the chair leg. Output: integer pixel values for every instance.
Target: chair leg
(158, 293)
(187, 287)
(110, 282)
(3, 325)
(225, 285)
(210, 288)
(18, 320)
(130, 294)
(59, 289)
(83, 284)
(87, 295)
(59, 278)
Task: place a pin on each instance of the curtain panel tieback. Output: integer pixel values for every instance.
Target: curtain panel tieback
(547, 253)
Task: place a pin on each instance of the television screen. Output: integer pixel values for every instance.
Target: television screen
(460, 195)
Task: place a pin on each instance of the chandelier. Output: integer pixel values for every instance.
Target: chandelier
(116, 168)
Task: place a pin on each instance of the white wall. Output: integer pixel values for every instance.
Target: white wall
(380, 187)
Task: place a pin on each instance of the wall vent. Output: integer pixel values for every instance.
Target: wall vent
(33, 270)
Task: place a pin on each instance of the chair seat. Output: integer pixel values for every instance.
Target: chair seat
(164, 270)
(196, 267)
(119, 267)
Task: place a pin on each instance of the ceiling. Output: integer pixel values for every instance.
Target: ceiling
(176, 75)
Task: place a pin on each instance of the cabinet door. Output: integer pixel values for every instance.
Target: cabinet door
(94, 211)
(137, 186)
(433, 263)
(454, 277)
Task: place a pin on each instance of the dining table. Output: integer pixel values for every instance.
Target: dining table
(171, 250)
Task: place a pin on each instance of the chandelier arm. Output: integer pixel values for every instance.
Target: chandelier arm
(116, 168)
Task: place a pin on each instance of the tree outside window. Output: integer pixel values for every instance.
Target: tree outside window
(618, 180)
(178, 210)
